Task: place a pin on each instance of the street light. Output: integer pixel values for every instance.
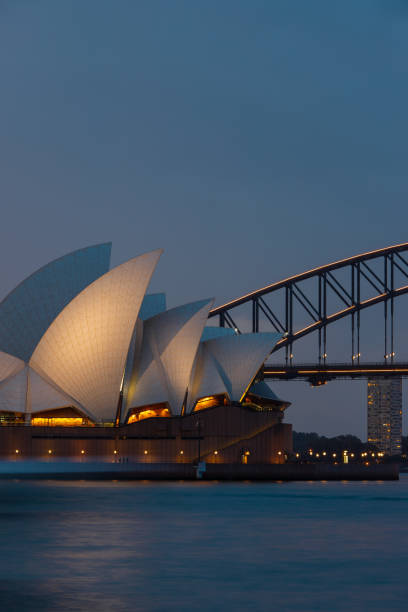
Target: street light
(198, 424)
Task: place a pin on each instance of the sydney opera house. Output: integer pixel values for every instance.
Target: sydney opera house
(93, 366)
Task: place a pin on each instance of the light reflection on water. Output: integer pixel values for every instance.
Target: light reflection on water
(204, 546)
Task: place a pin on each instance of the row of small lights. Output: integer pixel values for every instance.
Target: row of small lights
(334, 455)
(146, 452)
(356, 356)
(353, 357)
(50, 452)
(324, 356)
(115, 452)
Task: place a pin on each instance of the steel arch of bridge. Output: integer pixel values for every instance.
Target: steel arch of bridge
(359, 270)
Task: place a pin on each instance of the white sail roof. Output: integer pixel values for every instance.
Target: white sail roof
(27, 312)
(153, 304)
(262, 389)
(9, 365)
(234, 360)
(85, 348)
(205, 378)
(28, 392)
(44, 396)
(13, 393)
(170, 342)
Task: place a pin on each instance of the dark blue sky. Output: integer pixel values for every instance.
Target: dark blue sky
(250, 140)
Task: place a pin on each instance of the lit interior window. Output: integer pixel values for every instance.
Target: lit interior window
(57, 421)
(148, 413)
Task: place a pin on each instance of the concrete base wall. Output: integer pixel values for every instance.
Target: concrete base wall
(221, 434)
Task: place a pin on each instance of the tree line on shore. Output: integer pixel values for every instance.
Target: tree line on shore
(303, 442)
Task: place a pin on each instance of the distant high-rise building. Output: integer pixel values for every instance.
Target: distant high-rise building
(384, 414)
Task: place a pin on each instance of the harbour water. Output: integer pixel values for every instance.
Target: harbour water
(206, 546)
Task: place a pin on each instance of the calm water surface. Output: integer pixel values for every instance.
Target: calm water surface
(149, 546)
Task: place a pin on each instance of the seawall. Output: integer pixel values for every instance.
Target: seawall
(98, 470)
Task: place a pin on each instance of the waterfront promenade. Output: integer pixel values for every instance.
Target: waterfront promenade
(185, 471)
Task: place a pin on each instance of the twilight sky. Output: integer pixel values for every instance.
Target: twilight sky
(250, 140)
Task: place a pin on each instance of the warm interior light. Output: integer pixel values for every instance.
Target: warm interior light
(208, 402)
(145, 452)
(50, 451)
(115, 452)
(82, 452)
(57, 421)
(181, 452)
(17, 451)
(148, 413)
(215, 452)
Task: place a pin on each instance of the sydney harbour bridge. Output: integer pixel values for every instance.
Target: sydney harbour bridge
(311, 303)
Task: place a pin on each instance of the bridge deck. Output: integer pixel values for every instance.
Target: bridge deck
(325, 372)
